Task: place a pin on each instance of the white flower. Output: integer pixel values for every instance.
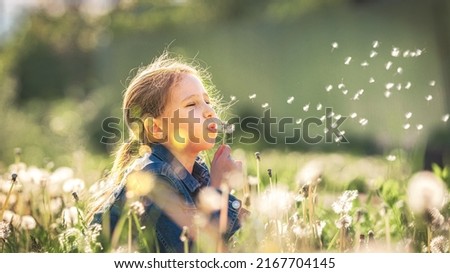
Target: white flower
(70, 216)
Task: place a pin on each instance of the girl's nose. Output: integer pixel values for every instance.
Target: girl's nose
(209, 112)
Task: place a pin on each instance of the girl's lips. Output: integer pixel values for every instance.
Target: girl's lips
(212, 127)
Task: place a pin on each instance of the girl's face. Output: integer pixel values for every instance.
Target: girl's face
(188, 120)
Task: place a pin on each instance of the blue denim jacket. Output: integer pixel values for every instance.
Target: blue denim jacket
(168, 171)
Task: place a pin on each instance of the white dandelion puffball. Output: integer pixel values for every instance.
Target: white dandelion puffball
(425, 190)
(28, 222)
(310, 174)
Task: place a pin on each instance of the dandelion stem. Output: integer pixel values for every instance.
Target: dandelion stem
(258, 176)
(333, 240)
(429, 236)
(388, 231)
(5, 205)
(130, 225)
(140, 233)
(342, 239)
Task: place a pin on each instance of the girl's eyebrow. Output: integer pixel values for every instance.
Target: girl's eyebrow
(205, 95)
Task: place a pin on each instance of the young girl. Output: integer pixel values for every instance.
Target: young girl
(169, 113)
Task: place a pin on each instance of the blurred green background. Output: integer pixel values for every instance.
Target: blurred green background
(65, 64)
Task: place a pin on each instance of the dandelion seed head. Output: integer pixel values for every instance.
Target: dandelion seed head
(419, 127)
(70, 216)
(406, 126)
(28, 222)
(434, 218)
(310, 174)
(290, 100)
(345, 202)
(445, 117)
(328, 88)
(439, 244)
(428, 97)
(137, 208)
(391, 158)
(347, 60)
(425, 190)
(73, 185)
(408, 115)
(306, 107)
(252, 180)
(5, 231)
(344, 221)
(388, 65)
(278, 199)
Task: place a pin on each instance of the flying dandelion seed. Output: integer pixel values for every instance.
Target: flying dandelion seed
(419, 127)
(338, 117)
(373, 54)
(252, 96)
(338, 139)
(406, 53)
(356, 96)
(429, 98)
(331, 114)
(399, 70)
(265, 105)
(232, 98)
(371, 80)
(389, 85)
(432, 83)
(353, 115)
(298, 121)
(408, 85)
(342, 132)
(365, 64)
(319, 107)
(322, 118)
(360, 91)
(363, 121)
(395, 52)
(347, 60)
(408, 115)
(306, 107)
(290, 100)
(334, 46)
(387, 93)
(328, 88)
(412, 54)
(445, 117)
(341, 85)
(388, 65)
(406, 126)
(418, 52)
(345, 92)
(399, 86)
(375, 44)
(391, 158)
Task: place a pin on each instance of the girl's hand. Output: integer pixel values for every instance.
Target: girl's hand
(224, 167)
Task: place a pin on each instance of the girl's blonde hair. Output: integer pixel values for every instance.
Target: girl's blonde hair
(146, 97)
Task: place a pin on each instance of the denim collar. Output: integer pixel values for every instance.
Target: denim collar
(200, 174)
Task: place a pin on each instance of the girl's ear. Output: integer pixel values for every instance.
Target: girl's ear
(153, 130)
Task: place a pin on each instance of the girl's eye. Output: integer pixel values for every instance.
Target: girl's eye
(191, 104)
(207, 102)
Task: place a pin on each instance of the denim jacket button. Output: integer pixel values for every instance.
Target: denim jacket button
(236, 204)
